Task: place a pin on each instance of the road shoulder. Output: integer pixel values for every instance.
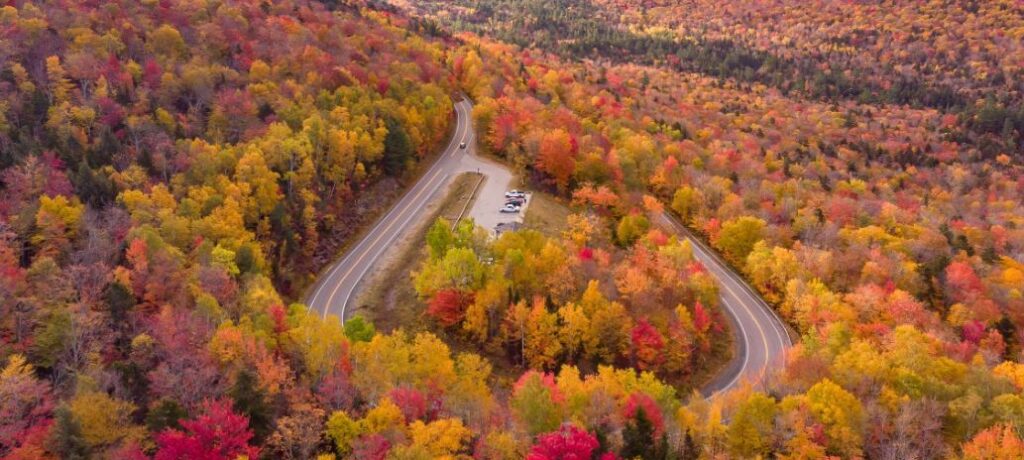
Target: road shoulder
(385, 295)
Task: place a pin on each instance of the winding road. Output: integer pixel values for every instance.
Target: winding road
(760, 336)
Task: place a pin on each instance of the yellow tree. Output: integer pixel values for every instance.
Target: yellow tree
(166, 41)
(770, 269)
(343, 430)
(837, 410)
(56, 223)
(469, 397)
(751, 427)
(686, 203)
(470, 72)
(59, 89)
(321, 343)
(1012, 371)
(261, 183)
(499, 445)
(737, 237)
(488, 302)
(105, 421)
(575, 325)
(812, 303)
(543, 348)
(609, 333)
(442, 439)
(382, 418)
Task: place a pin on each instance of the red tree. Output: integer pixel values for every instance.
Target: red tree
(640, 401)
(647, 345)
(973, 331)
(448, 306)
(701, 318)
(26, 406)
(568, 443)
(372, 447)
(503, 129)
(217, 282)
(962, 282)
(336, 391)
(411, 401)
(219, 434)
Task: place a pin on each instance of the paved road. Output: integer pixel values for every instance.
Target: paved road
(337, 286)
(760, 336)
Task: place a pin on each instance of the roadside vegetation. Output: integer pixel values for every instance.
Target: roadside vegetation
(388, 299)
(172, 173)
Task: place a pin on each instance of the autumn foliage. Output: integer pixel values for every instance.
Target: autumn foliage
(568, 443)
(448, 306)
(174, 173)
(218, 434)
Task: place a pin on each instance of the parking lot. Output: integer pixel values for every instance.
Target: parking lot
(491, 196)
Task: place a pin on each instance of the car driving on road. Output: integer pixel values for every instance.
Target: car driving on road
(509, 208)
(462, 145)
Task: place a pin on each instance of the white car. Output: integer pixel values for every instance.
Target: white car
(510, 208)
(515, 194)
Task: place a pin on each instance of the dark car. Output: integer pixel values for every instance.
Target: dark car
(462, 145)
(519, 201)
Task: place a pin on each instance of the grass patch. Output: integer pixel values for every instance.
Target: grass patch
(546, 214)
(334, 244)
(389, 300)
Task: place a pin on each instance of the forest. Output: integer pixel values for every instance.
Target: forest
(174, 173)
(801, 51)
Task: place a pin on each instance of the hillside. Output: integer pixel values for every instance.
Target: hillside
(174, 173)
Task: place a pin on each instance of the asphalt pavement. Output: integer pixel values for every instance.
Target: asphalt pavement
(761, 338)
(760, 335)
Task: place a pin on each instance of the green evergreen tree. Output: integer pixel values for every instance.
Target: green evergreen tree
(66, 438)
(119, 300)
(166, 414)
(638, 438)
(397, 147)
(249, 400)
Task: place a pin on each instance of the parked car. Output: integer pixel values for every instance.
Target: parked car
(515, 194)
(462, 145)
(516, 201)
(509, 208)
